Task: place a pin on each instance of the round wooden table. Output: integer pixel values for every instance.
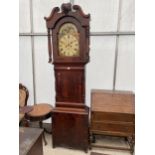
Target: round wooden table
(40, 112)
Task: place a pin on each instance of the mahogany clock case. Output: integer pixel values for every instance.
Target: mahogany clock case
(70, 116)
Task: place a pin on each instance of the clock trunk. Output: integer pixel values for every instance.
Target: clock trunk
(70, 84)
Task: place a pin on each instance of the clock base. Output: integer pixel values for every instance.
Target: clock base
(70, 128)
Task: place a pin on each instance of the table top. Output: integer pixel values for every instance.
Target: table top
(113, 101)
(40, 109)
(27, 138)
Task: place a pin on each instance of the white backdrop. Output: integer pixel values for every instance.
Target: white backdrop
(106, 16)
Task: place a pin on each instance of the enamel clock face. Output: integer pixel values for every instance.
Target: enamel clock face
(68, 40)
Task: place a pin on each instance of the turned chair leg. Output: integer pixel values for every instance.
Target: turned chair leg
(41, 126)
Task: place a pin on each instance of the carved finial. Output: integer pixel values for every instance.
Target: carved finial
(66, 7)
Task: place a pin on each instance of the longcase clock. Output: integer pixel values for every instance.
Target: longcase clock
(68, 47)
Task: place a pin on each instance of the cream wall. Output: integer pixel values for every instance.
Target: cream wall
(112, 52)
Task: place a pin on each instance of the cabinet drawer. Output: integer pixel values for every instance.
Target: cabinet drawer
(102, 116)
(113, 127)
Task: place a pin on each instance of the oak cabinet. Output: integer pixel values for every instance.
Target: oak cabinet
(113, 113)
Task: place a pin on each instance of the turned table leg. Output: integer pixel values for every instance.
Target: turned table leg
(41, 126)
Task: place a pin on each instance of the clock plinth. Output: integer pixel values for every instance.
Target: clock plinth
(70, 128)
(69, 47)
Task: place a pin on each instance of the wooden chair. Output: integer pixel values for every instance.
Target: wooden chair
(23, 97)
(38, 112)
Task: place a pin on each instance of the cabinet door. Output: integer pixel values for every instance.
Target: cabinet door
(70, 86)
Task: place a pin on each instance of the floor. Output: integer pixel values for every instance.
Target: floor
(101, 140)
(106, 140)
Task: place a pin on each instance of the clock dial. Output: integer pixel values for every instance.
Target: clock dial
(68, 40)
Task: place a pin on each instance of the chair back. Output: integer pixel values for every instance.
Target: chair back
(23, 95)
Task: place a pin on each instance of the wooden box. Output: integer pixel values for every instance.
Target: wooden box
(30, 141)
